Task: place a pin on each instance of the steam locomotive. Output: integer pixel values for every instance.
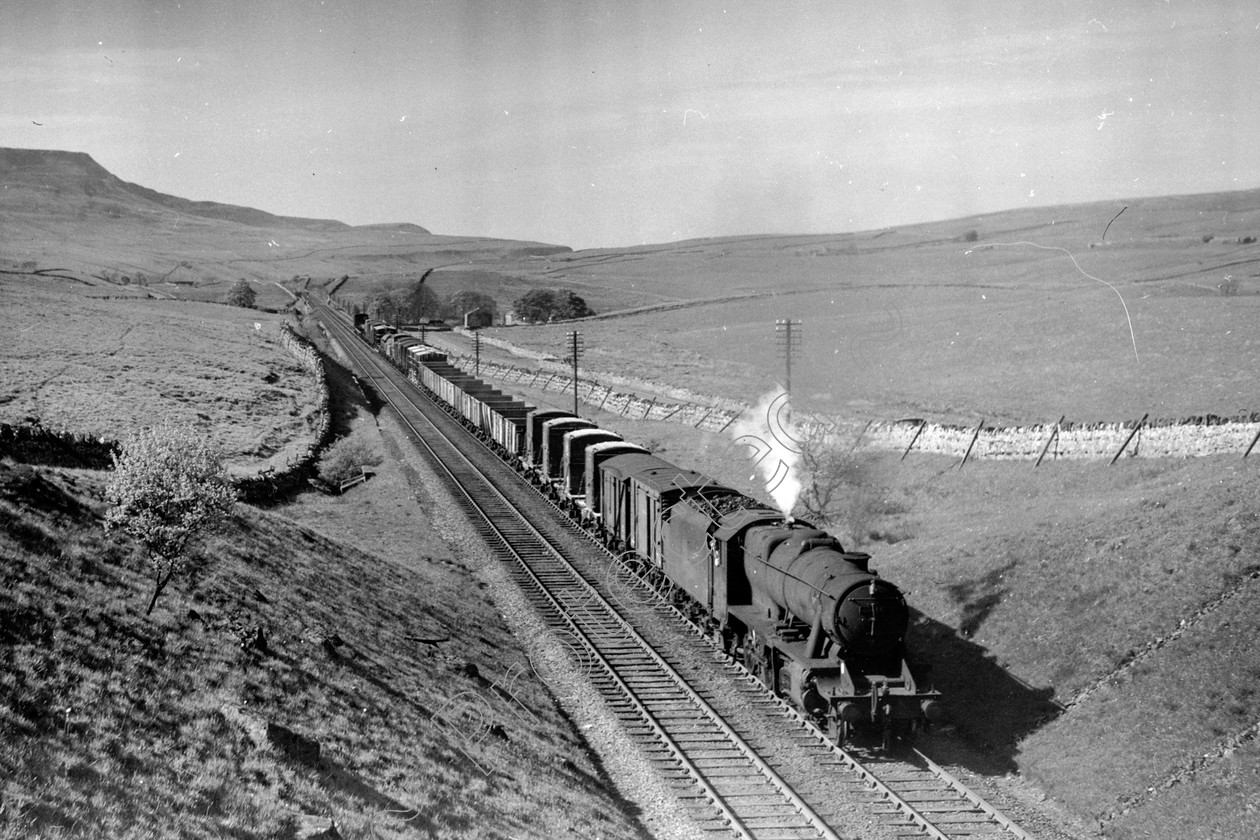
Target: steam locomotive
(810, 620)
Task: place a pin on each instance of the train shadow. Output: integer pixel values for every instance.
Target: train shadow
(991, 710)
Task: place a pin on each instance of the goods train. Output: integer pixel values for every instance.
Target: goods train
(809, 619)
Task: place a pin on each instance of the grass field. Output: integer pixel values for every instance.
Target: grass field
(102, 366)
(953, 349)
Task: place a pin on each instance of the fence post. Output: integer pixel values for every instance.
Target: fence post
(974, 437)
(1254, 440)
(1050, 440)
(1125, 445)
(858, 439)
(917, 432)
(607, 394)
(648, 410)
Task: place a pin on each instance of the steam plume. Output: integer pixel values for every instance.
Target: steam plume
(767, 431)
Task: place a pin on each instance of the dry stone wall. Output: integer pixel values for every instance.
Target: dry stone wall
(1185, 438)
(31, 443)
(271, 484)
(1182, 438)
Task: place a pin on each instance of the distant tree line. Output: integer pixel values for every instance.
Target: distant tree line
(120, 279)
(418, 302)
(542, 305)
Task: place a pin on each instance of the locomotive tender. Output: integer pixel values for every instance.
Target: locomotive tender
(809, 619)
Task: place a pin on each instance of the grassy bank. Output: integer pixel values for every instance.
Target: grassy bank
(427, 716)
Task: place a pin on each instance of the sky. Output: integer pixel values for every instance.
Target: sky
(611, 123)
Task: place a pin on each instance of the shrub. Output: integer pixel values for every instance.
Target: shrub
(345, 459)
(242, 294)
(167, 488)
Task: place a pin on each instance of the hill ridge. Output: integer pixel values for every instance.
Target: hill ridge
(72, 172)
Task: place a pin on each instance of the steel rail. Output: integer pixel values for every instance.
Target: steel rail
(609, 613)
(996, 815)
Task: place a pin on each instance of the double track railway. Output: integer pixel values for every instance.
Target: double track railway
(743, 762)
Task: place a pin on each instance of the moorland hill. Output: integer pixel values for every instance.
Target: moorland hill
(64, 211)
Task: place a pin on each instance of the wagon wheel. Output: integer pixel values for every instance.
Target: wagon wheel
(752, 657)
(838, 731)
(718, 635)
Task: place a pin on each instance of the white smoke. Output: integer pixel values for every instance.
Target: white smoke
(767, 431)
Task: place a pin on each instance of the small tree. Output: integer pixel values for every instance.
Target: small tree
(167, 488)
(569, 306)
(839, 488)
(383, 308)
(242, 294)
(535, 305)
(417, 301)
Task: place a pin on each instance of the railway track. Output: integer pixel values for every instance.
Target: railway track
(707, 732)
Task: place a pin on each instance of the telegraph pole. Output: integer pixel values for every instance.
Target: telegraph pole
(477, 351)
(788, 337)
(575, 350)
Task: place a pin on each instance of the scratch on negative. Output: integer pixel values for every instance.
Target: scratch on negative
(1127, 317)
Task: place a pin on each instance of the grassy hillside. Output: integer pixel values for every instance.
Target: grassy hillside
(1020, 317)
(63, 212)
(100, 366)
(428, 718)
